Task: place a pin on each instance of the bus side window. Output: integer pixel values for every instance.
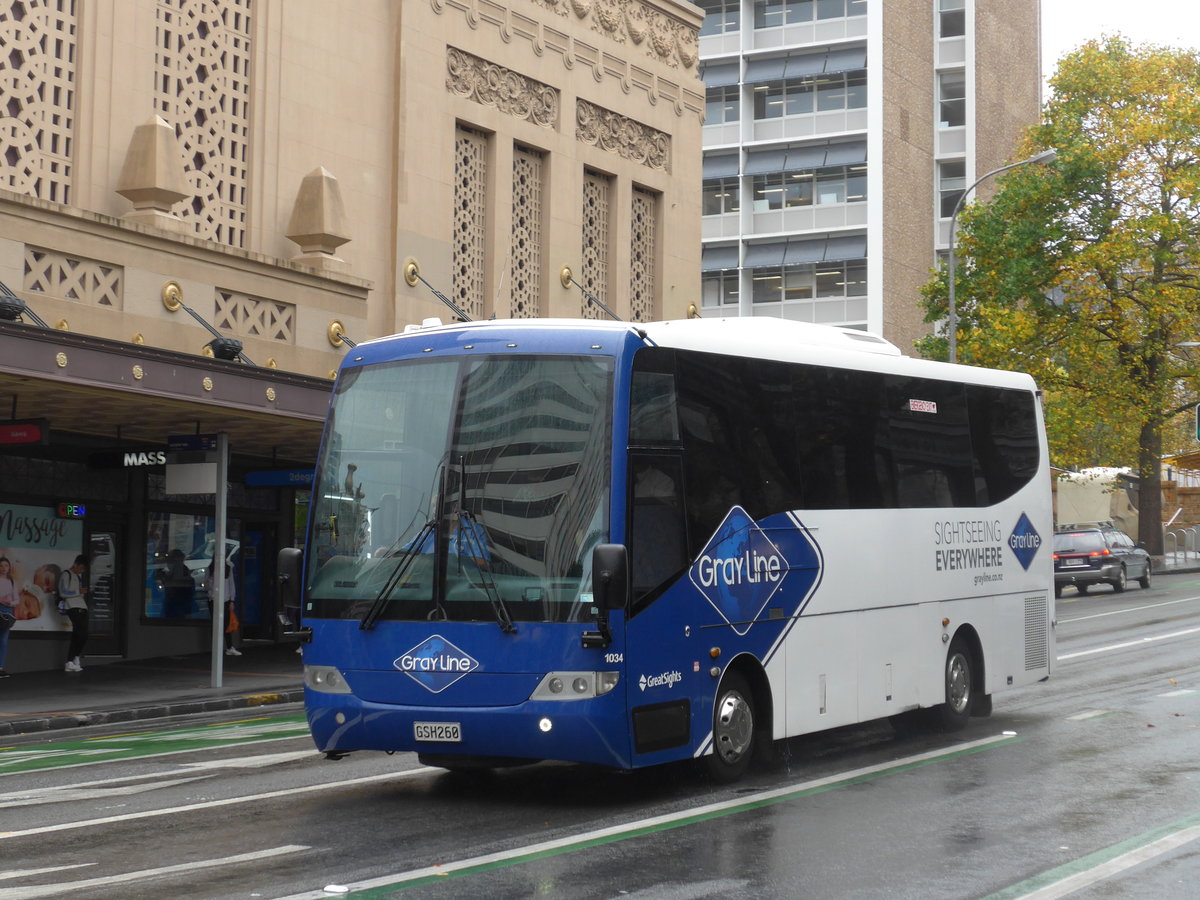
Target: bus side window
(657, 536)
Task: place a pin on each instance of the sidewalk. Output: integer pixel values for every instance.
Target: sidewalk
(149, 688)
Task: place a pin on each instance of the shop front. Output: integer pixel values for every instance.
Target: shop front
(95, 431)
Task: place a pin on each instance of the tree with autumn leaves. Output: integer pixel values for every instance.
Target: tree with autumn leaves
(1086, 272)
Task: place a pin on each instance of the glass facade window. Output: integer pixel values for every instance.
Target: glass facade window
(719, 288)
(723, 105)
(952, 18)
(720, 16)
(774, 13)
(952, 99)
(952, 181)
(799, 96)
(179, 555)
(805, 281)
(789, 190)
(720, 195)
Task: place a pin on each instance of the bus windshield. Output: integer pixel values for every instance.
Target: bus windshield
(462, 489)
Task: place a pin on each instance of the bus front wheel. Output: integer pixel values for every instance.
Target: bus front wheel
(960, 683)
(733, 729)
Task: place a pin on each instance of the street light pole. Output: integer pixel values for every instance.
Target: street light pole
(1046, 156)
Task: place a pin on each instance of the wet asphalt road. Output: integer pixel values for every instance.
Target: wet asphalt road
(1086, 786)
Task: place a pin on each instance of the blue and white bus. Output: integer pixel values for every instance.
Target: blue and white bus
(627, 544)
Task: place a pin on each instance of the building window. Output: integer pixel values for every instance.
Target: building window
(789, 190)
(800, 96)
(179, 553)
(773, 13)
(719, 288)
(806, 281)
(723, 104)
(952, 99)
(643, 255)
(470, 195)
(525, 270)
(720, 16)
(952, 181)
(952, 18)
(593, 273)
(720, 195)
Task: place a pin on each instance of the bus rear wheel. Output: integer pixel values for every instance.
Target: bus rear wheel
(960, 684)
(733, 729)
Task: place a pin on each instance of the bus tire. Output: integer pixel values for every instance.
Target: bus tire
(733, 729)
(960, 684)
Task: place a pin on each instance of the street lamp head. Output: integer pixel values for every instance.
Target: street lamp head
(1046, 156)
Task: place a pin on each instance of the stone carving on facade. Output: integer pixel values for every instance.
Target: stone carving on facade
(619, 134)
(506, 90)
(654, 34)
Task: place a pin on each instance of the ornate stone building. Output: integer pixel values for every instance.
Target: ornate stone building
(289, 174)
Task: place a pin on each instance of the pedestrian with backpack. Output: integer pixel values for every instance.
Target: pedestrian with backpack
(72, 595)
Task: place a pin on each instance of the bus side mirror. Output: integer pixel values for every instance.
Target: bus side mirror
(610, 576)
(287, 571)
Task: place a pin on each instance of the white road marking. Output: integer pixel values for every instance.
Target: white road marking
(50, 890)
(1114, 866)
(63, 793)
(1132, 609)
(1182, 692)
(29, 873)
(253, 762)
(1088, 714)
(1123, 646)
(214, 804)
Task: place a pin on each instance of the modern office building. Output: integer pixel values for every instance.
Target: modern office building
(838, 137)
(205, 203)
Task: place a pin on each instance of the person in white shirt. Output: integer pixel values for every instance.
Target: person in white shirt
(73, 595)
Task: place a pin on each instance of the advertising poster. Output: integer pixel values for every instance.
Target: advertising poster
(38, 546)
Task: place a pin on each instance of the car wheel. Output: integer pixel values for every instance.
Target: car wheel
(733, 729)
(1081, 588)
(1058, 590)
(960, 683)
(1144, 581)
(1118, 583)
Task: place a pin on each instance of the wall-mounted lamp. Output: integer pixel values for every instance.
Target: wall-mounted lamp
(694, 312)
(222, 346)
(13, 308)
(566, 279)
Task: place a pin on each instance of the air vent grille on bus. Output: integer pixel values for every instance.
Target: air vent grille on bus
(1036, 633)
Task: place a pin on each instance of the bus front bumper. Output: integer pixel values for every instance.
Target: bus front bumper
(587, 731)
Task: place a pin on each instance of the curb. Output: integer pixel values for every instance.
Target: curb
(60, 721)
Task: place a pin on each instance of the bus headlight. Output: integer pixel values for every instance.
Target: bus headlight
(326, 679)
(575, 685)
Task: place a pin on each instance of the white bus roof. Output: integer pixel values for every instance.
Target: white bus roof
(768, 338)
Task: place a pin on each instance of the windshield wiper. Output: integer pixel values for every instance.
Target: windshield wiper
(411, 552)
(472, 536)
(468, 538)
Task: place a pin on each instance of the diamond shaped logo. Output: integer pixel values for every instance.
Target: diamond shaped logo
(742, 568)
(1024, 541)
(435, 664)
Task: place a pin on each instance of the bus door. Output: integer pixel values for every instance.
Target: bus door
(662, 655)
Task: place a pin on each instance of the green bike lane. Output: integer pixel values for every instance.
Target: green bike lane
(150, 743)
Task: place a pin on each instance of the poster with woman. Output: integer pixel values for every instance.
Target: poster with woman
(38, 546)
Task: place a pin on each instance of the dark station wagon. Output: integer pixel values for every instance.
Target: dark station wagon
(1087, 556)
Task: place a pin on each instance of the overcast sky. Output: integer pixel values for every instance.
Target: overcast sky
(1068, 23)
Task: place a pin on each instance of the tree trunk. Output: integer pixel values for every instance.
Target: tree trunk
(1150, 531)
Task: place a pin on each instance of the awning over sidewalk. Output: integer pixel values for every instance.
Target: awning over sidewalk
(132, 393)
